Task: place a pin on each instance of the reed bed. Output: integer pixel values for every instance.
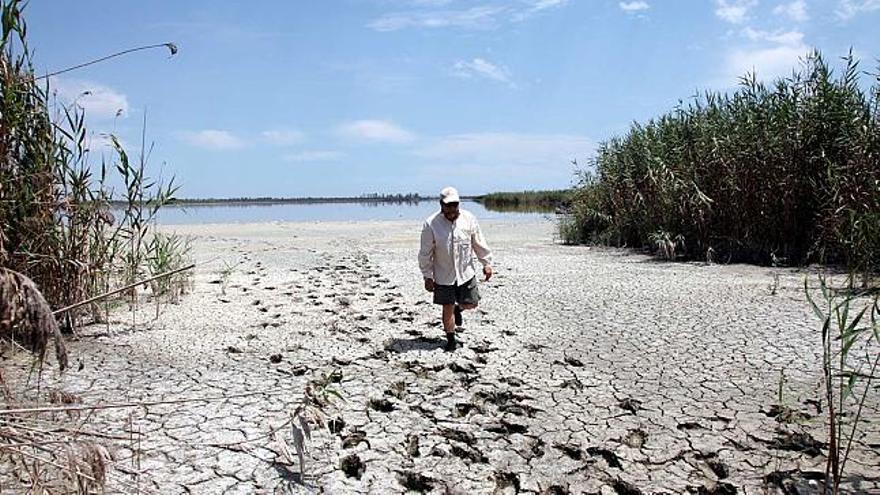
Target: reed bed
(58, 210)
(527, 200)
(785, 173)
(61, 243)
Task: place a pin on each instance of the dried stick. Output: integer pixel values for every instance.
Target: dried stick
(51, 463)
(171, 47)
(4, 412)
(122, 289)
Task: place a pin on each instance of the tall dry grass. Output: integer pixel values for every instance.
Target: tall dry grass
(787, 171)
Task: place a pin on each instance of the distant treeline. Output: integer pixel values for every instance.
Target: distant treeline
(783, 172)
(528, 200)
(365, 198)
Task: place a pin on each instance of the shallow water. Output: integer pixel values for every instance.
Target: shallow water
(322, 212)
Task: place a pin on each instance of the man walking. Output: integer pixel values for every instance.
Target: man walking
(450, 239)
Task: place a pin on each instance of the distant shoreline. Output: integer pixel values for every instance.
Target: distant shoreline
(301, 201)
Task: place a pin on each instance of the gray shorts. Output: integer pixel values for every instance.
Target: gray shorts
(465, 293)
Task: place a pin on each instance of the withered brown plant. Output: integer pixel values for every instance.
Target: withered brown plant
(26, 317)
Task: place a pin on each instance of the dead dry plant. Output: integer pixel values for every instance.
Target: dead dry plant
(26, 318)
(50, 454)
(318, 396)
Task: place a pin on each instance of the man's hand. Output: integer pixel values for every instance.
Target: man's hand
(487, 271)
(429, 284)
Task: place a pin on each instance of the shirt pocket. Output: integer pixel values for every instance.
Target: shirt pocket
(461, 244)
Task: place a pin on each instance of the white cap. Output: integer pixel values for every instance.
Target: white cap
(449, 195)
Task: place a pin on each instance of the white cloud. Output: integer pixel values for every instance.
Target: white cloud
(213, 139)
(282, 137)
(796, 11)
(98, 101)
(791, 38)
(479, 67)
(479, 17)
(538, 5)
(847, 9)
(474, 18)
(100, 143)
(506, 160)
(773, 54)
(509, 148)
(429, 3)
(632, 7)
(734, 11)
(766, 63)
(376, 130)
(313, 156)
(535, 7)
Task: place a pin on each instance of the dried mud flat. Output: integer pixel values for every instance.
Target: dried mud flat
(583, 371)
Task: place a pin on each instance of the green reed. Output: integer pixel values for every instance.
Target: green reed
(56, 224)
(526, 200)
(58, 229)
(788, 170)
(850, 339)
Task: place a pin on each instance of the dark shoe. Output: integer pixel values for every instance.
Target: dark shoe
(457, 312)
(451, 344)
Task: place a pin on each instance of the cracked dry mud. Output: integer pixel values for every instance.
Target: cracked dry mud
(583, 371)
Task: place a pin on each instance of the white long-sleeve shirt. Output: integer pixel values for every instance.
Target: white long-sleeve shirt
(448, 248)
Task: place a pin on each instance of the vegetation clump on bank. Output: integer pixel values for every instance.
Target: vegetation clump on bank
(61, 243)
(371, 198)
(787, 172)
(57, 225)
(527, 200)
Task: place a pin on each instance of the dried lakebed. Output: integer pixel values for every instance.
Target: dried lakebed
(583, 371)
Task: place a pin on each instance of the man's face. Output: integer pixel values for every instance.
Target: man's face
(449, 210)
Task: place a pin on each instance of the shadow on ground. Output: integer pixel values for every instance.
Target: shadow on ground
(415, 344)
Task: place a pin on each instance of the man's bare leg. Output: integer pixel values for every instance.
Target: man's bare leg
(449, 318)
(449, 326)
(449, 322)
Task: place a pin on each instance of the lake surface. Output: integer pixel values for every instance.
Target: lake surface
(323, 212)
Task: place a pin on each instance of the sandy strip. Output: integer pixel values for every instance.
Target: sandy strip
(583, 371)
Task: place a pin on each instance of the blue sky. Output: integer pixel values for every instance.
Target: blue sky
(325, 98)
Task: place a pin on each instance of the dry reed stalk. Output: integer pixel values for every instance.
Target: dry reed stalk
(51, 455)
(99, 407)
(48, 454)
(123, 289)
(25, 316)
(56, 462)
